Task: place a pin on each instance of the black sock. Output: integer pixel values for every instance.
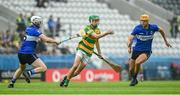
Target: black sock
(135, 76)
(13, 80)
(131, 74)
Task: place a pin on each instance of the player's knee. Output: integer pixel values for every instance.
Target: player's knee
(44, 68)
(130, 69)
(75, 74)
(22, 68)
(75, 65)
(139, 62)
(78, 72)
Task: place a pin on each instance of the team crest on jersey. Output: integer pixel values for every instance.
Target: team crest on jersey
(97, 31)
(151, 32)
(38, 31)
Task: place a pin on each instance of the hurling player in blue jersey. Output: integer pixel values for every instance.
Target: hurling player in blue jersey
(141, 51)
(27, 53)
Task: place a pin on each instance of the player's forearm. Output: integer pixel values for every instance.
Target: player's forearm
(163, 35)
(76, 35)
(50, 40)
(47, 39)
(129, 43)
(98, 47)
(101, 35)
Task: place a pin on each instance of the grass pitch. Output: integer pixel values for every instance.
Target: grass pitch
(98, 88)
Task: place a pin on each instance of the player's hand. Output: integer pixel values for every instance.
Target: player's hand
(58, 42)
(78, 35)
(168, 45)
(100, 57)
(110, 31)
(129, 50)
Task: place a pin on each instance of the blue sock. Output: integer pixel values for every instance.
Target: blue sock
(13, 80)
(32, 72)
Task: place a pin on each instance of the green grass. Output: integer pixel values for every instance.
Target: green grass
(99, 88)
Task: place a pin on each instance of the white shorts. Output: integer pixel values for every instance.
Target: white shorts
(84, 58)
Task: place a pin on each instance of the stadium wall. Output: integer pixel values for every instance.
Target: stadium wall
(155, 68)
(10, 62)
(88, 75)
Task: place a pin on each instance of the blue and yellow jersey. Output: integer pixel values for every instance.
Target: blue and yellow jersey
(144, 37)
(87, 43)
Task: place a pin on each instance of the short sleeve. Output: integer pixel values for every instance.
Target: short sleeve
(134, 32)
(37, 33)
(82, 32)
(155, 28)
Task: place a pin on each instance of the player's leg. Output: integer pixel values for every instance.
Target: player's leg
(140, 59)
(70, 73)
(79, 69)
(80, 62)
(16, 75)
(132, 73)
(141, 76)
(39, 67)
(77, 62)
(131, 63)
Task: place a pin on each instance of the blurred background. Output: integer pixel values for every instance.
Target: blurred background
(66, 17)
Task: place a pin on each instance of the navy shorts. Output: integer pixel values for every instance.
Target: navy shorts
(27, 58)
(135, 54)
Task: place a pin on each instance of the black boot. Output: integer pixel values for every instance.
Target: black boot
(62, 82)
(27, 77)
(133, 82)
(11, 85)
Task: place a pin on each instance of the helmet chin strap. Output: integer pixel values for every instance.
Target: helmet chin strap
(36, 25)
(94, 26)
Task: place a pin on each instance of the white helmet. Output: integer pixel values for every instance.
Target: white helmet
(37, 20)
